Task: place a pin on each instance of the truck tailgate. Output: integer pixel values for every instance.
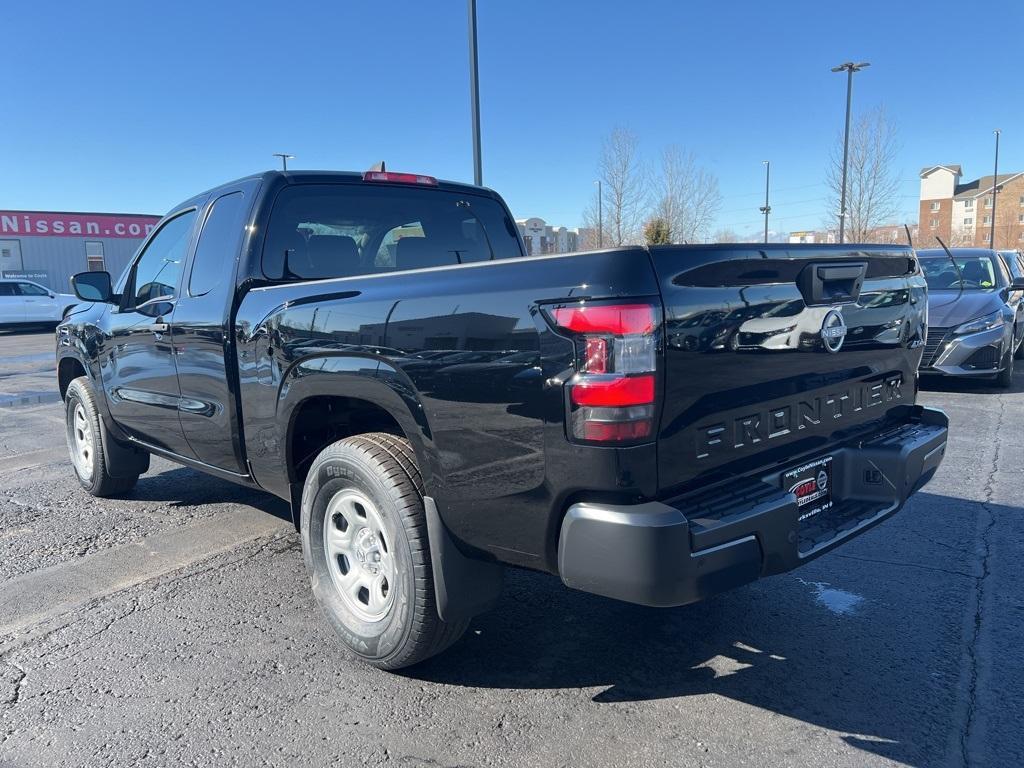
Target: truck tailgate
(758, 368)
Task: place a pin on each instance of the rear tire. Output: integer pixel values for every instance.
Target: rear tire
(364, 540)
(85, 437)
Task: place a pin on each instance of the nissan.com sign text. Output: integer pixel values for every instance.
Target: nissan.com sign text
(49, 224)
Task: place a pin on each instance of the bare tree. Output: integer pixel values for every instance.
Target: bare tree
(688, 196)
(622, 184)
(872, 186)
(725, 236)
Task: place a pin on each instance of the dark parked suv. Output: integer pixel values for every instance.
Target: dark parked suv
(379, 350)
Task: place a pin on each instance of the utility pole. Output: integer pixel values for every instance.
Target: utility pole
(474, 96)
(849, 67)
(284, 159)
(600, 216)
(995, 189)
(766, 208)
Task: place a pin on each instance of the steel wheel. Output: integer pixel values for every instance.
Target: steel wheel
(82, 442)
(359, 555)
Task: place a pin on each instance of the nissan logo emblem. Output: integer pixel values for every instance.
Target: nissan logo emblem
(833, 331)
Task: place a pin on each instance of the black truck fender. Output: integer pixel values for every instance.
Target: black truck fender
(464, 586)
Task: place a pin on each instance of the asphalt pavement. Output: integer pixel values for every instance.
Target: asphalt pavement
(176, 627)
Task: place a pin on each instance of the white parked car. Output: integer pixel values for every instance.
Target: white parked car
(23, 302)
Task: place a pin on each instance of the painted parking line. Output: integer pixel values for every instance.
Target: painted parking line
(48, 592)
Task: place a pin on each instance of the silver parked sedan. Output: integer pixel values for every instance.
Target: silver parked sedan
(975, 314)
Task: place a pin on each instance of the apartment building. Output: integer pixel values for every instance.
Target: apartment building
(961, 212)
(540, 237)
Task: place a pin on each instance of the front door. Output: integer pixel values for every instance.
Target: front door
(139, 371)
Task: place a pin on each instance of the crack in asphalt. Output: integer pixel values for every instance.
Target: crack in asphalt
(967, 732)
(920, 566)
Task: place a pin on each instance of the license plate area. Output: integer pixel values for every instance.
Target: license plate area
(811, 482)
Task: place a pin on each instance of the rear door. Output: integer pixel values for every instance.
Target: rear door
(204, 347)
(774, 351)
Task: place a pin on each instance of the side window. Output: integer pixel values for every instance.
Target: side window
(7, 289)
(157, 271)
(218, 245)
(31, 289)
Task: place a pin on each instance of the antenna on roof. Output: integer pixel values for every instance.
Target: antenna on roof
(910, 240)
(378, 167)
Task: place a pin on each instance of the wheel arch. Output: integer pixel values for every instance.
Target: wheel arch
(69, 368)
(327, 398)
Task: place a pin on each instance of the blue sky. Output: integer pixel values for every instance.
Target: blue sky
(132, 109)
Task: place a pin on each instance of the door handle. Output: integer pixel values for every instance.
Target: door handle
(158, 328)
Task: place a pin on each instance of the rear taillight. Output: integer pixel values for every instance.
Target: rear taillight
(612, 394)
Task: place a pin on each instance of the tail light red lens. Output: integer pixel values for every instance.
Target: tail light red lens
(617, 319)
(613, 390)
(612, 395)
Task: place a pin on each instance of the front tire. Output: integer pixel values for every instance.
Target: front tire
(85, 443)
(364, 540)
(1005, 378)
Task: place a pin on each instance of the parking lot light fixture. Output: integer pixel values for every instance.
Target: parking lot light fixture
(995, 190)
(849, 67)
(766, 208)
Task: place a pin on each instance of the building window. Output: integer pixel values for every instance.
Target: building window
(968, 203)
(987, 237)
(1020, 218)
(933, 223)
(94, 255)
(988, 201)
(987, 220)
(935, 206)
(1022, 199)
(968, 222)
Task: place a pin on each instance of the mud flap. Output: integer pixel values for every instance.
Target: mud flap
(120, 459)
(463, 586)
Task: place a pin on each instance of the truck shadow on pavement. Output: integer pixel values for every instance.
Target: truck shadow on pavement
(185, 487)
(884, 673)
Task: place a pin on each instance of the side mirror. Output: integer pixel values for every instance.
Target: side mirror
(93, 286)
(1017, 284)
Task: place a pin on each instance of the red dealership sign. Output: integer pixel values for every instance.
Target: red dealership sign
(49, 224)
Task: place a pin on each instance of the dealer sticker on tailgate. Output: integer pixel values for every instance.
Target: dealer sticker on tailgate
(812, 485)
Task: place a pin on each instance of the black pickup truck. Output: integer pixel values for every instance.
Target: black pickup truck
(650, 424)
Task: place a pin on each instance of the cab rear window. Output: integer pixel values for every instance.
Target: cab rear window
(334, 230)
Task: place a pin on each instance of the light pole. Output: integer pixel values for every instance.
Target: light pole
(995, 189)
(474, 96)
(284, 159)
(766, 208)
(849, 67)
(600, 217)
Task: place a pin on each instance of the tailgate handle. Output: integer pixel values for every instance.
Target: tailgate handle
(832, 283)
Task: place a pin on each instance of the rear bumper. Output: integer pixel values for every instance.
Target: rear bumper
(667, 554)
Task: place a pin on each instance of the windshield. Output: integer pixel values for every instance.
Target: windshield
(978, 272)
